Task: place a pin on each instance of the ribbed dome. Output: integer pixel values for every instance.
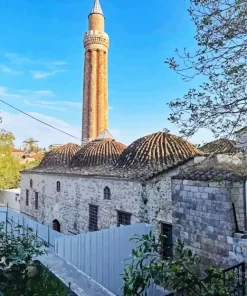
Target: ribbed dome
(60, 156)
(157, 151)
(98, 152)
(220, 146)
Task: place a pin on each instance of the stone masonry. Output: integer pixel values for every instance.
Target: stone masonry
(95, 89)
(203, 218)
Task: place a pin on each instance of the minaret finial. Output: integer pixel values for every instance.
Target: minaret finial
(96, 8)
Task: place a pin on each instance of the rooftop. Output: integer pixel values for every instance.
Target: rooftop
(220, 146)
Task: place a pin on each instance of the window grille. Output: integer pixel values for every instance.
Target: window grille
(31, 183)
(58, 186)
(93, 218)
(36, 200)
(166, 230)
(123, 218)
(107, 193)
(27, 197)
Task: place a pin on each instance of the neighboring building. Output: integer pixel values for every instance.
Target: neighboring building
(241, 138)
(18, 153)
(204, 199)
(103, 183)
(10, 197)
(95, 89)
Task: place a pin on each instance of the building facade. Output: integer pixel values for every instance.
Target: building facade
(105, 184)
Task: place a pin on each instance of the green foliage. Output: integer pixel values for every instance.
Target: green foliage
(19, 273)
(9, 165)
(181, 273)
(30, 145)
(220, 103)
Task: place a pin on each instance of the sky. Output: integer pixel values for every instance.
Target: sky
(41, 66)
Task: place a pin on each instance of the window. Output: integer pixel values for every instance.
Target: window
(27, 197)
(17, 197)
(93, 218)
(123, 218)
(58, 186)
(36, 202)
(107, 193)
(56, 225)
(166, 230)
(31, 183)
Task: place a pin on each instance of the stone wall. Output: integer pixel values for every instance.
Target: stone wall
(148, 201)
(203, 217)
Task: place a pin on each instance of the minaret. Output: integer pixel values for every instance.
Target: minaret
(95, 88)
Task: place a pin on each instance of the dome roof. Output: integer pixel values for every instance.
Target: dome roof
(60, 155)
(98, 152)
(220, 146)
(157, 151)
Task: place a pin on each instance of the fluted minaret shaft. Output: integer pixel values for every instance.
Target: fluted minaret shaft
(95, 87)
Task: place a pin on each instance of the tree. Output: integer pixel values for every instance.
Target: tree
(182, 273)
(220, 103)
(20, 274)
(30, 145)
(9, 166)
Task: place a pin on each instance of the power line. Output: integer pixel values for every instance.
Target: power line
(40, 120)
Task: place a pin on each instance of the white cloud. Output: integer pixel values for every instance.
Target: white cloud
(43, 75)
(110, 108)
(48, 68)
(17, 59)
(45, 93)
(24, 127)
(5, 94)
(41, 104)
(8, 70)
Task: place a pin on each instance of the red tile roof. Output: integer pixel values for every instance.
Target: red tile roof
(16, 150)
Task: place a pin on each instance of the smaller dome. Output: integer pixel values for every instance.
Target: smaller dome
(220, 146)
(98, 152)
(157, 152)
(60, 156)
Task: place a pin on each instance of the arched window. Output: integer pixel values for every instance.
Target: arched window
(107, 193)
(58, 186)
(56, 225)
(31, 183)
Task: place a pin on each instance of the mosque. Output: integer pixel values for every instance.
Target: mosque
(103, 183)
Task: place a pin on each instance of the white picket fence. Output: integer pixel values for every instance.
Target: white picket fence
(42, 232)
(102, 254)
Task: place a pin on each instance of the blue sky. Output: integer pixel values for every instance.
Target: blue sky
(41, 65)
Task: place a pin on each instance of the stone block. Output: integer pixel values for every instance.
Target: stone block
(216, 184)
(207, 241)
(222, 238)
(210, 190)
(177, 181)
(229, 239)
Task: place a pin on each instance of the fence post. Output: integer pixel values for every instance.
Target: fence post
(243, 278)
(48, 235)
(18, 226)
(6, 220)
(23, 226)
(36, 231)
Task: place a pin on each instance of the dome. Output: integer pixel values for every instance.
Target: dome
(220, 146)
(60, 155)
(157, 151)
(98, 152)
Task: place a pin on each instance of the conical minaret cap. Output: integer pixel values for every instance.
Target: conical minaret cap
(96, 8)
